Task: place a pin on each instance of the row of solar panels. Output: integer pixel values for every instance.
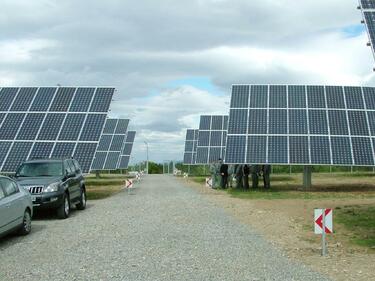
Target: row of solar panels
(299, 125)
(42, 122)
(368, 13)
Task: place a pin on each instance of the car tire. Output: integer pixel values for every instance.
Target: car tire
(26, 224)
(64, 210)
(82, 200)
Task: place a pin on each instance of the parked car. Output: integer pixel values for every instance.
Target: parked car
(53, 184)
(16, 208)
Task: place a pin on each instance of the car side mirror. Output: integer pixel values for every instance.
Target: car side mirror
(68, 175)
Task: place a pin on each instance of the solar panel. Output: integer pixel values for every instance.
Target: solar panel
(51, 122)
(211, 140)
(191, 143)
(319, 125)
(368, 14)
(127, 150)
(111, 143)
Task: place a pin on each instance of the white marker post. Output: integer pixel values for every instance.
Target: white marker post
(323, 219)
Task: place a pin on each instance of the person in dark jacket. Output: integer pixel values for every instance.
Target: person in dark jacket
(266, 170)
(239, 176)
(246, 172)
(255, 171)
(224, 175)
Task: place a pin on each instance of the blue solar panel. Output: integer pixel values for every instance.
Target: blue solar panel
(278, 96)
(256, 149)
(63, 149)
(43, 99)
(318, 122)
(320, 150)
(361, 155)
(238, 122)
(215, 154)
(110, 126)
(105, 142)
(62, 99)
(341, 151)
(84, 154)
(353, 97)
(23, 99)
(358, 123)
(202, 155)
(41, 150)
(369, 94)
(190, 147)
(315, 97)
(51, 126)
(216, 138)
(298, 122)
(188, 158)
(371, 120)
(7, 95)
(127, 150)
(117, 143)
(130, 136)
(82, 100)
(259, 96)
(112, 161)
(30, 126)
(4, 148)
(369, 18)
(124, 162)
(99, 161)
(217, 123)
(368, 4)
(257, 121)
(298, 150)
(297, 96)
(241, 96)
(338, 123)
(278, 149)
(278, 121)
(17, 155)
(93, 127)
(122, 126)
(235, 152)
(335, 97)
(205, 123)
(2, 117)
(72, 127)
(204, 138)
(102, 100)
(11, 125)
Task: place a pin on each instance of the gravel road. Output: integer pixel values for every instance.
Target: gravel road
(165, 231)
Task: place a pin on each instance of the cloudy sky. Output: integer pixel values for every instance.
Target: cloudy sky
(172, 61)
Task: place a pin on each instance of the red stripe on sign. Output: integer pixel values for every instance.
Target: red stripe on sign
(319, 221)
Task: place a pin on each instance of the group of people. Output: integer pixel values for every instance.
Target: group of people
(224, 175)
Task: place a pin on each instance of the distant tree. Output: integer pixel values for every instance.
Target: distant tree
(155, 168)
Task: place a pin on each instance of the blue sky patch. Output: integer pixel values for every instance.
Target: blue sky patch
(202, 83)
(353, 30)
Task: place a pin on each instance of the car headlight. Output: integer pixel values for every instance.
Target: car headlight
(53, 187)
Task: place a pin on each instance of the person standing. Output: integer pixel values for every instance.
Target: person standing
(224, 175)
(230, 175)
(239, 176)
(213, 174)
(246, 172)
(255, 176)
(266, 169)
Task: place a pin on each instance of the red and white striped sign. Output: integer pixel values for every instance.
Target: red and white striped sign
(318, 219)
(128, 183)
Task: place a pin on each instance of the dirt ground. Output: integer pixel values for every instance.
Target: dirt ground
(288, 224)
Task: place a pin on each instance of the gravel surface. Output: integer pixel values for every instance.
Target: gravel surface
(165, 231)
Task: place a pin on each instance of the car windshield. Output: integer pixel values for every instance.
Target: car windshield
(46, 169)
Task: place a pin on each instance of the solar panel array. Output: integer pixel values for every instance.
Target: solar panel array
(191, 144)
(301, 125)
(212, 138)
(368, 12)
(51, 122)
(127, 150)
(111, 143)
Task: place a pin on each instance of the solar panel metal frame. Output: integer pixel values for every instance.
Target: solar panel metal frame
(207, 121)
(193, 143)
(236, 142)
(367, 25)
(35, 107)
(117, 131)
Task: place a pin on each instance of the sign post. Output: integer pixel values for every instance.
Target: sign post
(208, 182)
(323, 219)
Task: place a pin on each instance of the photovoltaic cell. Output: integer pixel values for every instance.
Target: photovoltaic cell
(40, 118)
(238, 123)
(361, 148)
(368, 4)
(241, 96)
(335, 97)
(124, 162)
(259, 96)
(122, 126)
(17, 155)
(297, 96)
(299, 150)
(278, 121)
(84, 154)
(112, 161)
(318, 122)
(190, 146)
(358, 123)
(315, 96)
(4, 148)
(99, 159)
(205, 123)
(278, 96)
(320, 150)
(353, 97)
(341, 151)
(235, 150)
(278, 149)
(369, 94)
(256, 149)
(102, 100)
(257, 122)
(105, 142)
(298, 122)
(338, 122)
(110, 126)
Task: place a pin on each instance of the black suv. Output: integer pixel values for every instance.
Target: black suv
(53, 184)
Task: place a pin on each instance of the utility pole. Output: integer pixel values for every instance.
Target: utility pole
(146, 156)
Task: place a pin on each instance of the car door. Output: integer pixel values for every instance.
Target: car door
(13, 203)
(3, 212)
(75, 180)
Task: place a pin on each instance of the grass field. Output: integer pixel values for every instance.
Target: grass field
(103, 187)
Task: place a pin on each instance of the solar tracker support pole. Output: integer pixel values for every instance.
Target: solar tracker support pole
(307, 171)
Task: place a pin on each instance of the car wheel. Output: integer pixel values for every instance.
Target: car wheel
(26, 224)
(82, 201)
(64, 210)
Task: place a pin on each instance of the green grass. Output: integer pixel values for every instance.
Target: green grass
(105, 186)
(359, 220)
(199, 179)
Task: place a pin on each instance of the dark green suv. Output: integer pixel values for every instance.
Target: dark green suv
(53, 184)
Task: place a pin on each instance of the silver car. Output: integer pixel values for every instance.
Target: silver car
(16, 208)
